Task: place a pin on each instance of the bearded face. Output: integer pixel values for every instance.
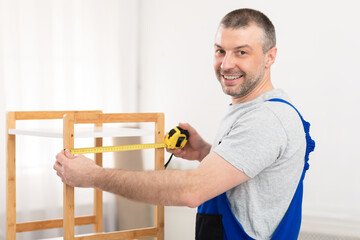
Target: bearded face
(239, 60)
(237, 83)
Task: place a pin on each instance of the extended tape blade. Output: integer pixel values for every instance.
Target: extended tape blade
(116, 148)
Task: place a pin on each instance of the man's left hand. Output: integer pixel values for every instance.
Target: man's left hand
(76, 171)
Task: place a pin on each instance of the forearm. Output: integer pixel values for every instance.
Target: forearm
(164, 187)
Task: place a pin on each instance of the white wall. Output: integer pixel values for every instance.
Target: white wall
(61, 55)
(317, 64)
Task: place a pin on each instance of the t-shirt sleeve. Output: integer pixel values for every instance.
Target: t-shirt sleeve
(254, 142)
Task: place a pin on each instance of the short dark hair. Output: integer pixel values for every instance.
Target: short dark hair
(244, 17)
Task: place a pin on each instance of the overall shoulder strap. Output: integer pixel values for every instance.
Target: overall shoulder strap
(284, 101)
(310, 143)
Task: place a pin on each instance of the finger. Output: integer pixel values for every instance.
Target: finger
(169, 150)
(68, 154)
(57, 166)
(61, 158)
(180, 153)
(188, 127)
(174, 151)
(185, 126)
(61, 177)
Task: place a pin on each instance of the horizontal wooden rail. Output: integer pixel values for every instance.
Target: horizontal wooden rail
(53, 223)
(95, 116)
(116, 117)
(39, 115)
(121, 235)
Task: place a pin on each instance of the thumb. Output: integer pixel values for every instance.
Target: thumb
(68, 154)
(188, 127)
(185, 126)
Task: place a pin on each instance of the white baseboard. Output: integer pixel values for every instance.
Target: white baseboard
(331, 224)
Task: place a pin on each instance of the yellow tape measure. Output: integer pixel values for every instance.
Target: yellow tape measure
(116, 148)
(176, 138)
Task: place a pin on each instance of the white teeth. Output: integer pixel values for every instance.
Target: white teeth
(231, 77)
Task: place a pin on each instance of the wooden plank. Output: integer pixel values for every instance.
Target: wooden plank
(98, 195)
(52, 223)
(159, 138)
(68, 191)
(116, 117)
(11, 180)
(121, 235)
(38, 115)
(159, 164)
(159, 218)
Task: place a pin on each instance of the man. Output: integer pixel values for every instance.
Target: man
(249, 182)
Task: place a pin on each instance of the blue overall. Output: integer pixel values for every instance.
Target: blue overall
(215, 220)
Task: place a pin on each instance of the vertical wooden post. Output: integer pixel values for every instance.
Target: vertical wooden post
(11, 180)
(159, 164)
(98, 196)
(68, 191)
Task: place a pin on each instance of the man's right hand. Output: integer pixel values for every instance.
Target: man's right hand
(195, 149)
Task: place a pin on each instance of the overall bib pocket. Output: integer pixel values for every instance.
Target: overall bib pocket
(209, 227)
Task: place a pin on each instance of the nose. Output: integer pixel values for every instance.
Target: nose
(228, 62)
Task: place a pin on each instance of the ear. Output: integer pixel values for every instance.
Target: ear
(270, 57)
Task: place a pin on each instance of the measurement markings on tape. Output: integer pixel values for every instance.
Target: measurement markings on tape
(116, 148)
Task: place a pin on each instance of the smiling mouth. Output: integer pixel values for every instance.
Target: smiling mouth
(231, 77)
(231, 80)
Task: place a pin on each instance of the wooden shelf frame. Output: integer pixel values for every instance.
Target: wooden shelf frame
(69, 221)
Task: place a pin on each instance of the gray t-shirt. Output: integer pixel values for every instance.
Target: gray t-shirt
(266, 141)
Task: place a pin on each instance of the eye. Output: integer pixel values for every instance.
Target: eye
(241, 53)
(219, 51)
